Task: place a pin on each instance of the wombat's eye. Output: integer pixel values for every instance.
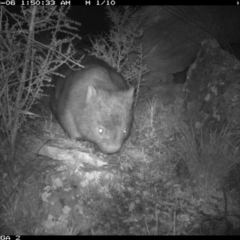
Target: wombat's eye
(100, 130)
(124, 131)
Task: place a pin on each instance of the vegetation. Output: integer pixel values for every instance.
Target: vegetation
(26, 63)
(169, 178)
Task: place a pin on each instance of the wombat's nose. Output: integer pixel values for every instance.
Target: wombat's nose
(110, 149)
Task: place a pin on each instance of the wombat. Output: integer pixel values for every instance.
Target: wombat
(93, 104)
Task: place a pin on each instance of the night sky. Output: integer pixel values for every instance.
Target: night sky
(92, 18)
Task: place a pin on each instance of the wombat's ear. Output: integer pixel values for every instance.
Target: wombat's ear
(130, 93)
(91, 93)
(128, 96)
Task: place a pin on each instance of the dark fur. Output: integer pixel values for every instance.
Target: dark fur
(93, 104)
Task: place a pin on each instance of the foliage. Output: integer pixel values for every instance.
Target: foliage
(116, 47)
(26, 63)
(139, 192)
(209, 154)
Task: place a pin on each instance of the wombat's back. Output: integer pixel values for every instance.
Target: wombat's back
(94, 104)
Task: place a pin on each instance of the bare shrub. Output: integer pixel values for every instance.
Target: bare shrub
(116, 46)
(26, 63)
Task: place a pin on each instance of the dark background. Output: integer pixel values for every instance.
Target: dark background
(92, 18)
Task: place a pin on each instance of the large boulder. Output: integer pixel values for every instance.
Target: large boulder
(213, 88)
(172, 36)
